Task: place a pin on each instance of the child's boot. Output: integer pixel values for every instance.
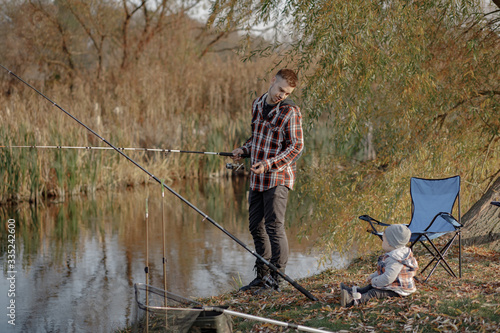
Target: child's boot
(348, 299)
(344, 287)
(345, 298)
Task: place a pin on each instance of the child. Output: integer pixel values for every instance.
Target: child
(395, 270)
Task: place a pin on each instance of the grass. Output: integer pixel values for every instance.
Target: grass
(203, 124)
(443, 304)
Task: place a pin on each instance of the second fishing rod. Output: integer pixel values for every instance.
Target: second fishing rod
(205, 216)
(162, 150)
(232, 166)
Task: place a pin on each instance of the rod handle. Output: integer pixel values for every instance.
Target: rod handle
(231, 155)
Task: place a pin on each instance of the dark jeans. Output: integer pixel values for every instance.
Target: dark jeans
(369, 292)
(267, 226)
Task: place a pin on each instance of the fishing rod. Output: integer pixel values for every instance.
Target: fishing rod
(205, 216)
(162, 150)
(200, 307)
(233, 166)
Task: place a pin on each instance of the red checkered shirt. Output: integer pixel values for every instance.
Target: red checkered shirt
(277, 142)
(404, 281)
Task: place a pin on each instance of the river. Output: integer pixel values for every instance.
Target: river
(73, 264)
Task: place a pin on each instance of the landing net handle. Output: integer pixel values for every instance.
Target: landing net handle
(198, 307)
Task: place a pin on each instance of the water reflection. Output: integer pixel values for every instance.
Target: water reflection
(77, 261)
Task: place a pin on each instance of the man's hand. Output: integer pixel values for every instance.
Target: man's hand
(258, 168)
(237, 154)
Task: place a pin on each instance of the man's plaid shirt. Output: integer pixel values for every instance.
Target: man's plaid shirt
(277, 142)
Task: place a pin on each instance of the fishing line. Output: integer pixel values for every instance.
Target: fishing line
(164, 250)
(146, 269)
(205, 216)
(164, 239)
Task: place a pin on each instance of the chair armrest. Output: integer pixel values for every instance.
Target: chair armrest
(450, 219)
(370, 219)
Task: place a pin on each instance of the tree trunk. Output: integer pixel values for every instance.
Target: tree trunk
(482, 221)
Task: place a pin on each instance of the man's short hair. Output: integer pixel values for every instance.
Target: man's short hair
(289, 75)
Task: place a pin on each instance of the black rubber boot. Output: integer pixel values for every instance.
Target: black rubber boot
(280, 282)
(258, 282)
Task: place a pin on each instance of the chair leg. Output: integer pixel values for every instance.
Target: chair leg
(446, 267)
(460, 253)
(442, 253)
(440, 261)
(439, 257)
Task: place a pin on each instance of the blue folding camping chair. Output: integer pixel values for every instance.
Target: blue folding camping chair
(432, 202)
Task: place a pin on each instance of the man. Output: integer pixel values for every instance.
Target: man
(274, 147)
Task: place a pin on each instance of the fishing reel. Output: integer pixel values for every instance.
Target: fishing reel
(235, 166)
(270, 282)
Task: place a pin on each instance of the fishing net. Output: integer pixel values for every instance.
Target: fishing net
(168, 312)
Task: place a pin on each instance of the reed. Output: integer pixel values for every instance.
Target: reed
(197, 113)
(172, 95)
(168, 96)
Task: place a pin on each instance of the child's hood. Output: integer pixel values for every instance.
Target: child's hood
(404, 256)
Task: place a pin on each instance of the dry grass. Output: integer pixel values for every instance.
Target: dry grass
(442, 304)
(199, 107)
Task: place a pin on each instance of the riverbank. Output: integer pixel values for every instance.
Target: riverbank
(443, 304)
